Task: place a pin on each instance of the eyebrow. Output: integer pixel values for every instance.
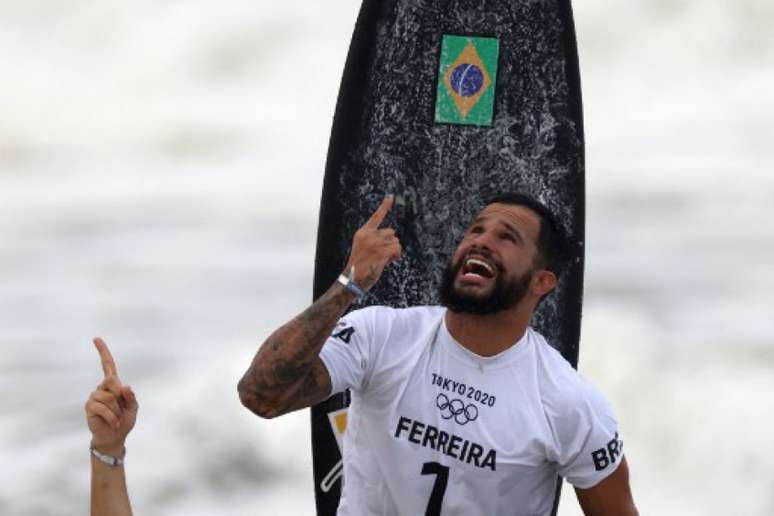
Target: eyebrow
(510, 227)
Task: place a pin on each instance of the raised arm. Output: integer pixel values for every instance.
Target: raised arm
(111, 412)
(286, 373)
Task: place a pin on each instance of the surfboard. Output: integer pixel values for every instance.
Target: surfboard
(444, 103)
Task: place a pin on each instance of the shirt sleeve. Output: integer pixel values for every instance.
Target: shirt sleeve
(347, 352)
(590, 446)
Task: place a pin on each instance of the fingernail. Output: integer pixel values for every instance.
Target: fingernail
(389, 196)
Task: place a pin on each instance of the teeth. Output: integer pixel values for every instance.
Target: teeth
(473, 261)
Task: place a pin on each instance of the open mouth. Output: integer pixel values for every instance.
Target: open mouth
(478, 268)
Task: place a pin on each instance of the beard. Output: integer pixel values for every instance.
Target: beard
(506, 293)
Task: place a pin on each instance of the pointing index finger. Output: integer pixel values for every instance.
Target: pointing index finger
(381, 212)
(108, 364)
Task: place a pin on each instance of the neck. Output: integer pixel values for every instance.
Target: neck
(488, 335)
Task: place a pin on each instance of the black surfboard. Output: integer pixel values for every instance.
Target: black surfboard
(444, 103)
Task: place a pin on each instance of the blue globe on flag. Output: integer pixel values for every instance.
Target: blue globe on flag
(467, 79)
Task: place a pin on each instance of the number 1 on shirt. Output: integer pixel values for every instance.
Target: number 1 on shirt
(439, 487)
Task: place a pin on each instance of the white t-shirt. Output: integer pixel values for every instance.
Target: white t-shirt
(434, 428)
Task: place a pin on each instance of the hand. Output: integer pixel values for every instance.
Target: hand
(373, 248)
(111, 409)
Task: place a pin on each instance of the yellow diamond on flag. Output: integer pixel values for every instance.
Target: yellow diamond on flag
(341, 422)
(338, 422)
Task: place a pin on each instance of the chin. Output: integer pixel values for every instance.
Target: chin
(472, 292)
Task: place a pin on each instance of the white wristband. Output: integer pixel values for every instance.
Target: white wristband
(108, 459)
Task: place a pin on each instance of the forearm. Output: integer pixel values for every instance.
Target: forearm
(611, 497)
(623, 510)
(280, 374)
(109, 496)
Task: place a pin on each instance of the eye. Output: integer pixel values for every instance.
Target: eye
(476, 230)
(508, 236)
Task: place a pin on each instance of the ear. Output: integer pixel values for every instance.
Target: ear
(543, 282)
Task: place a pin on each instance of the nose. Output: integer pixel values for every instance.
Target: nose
(482, 240)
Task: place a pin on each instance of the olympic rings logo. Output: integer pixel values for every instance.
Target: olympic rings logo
(456, 408)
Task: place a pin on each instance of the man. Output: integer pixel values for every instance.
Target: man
(111, 412)
(456, 410)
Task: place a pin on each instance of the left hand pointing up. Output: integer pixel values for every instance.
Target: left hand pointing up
(111, 409)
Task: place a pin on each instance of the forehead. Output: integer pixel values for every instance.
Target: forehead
(519, 217)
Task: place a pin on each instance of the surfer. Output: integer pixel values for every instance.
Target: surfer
(111, 412)
(462, 406)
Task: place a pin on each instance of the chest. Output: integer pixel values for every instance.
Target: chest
(484, 417)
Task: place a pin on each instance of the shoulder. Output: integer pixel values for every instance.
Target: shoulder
(554, 371)
(582, 428)
(412, 312)
(384, 318)
(566, 395)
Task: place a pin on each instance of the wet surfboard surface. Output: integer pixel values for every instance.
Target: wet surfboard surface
(445, 103)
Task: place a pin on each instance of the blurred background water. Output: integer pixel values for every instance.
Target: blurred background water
(160, 171)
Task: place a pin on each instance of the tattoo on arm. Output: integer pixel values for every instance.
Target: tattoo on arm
(287, 373)
(314, 388)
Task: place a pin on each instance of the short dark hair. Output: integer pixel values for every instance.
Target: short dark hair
(555, 250)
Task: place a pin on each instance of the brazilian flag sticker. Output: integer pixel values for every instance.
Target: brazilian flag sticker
(466, 80)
